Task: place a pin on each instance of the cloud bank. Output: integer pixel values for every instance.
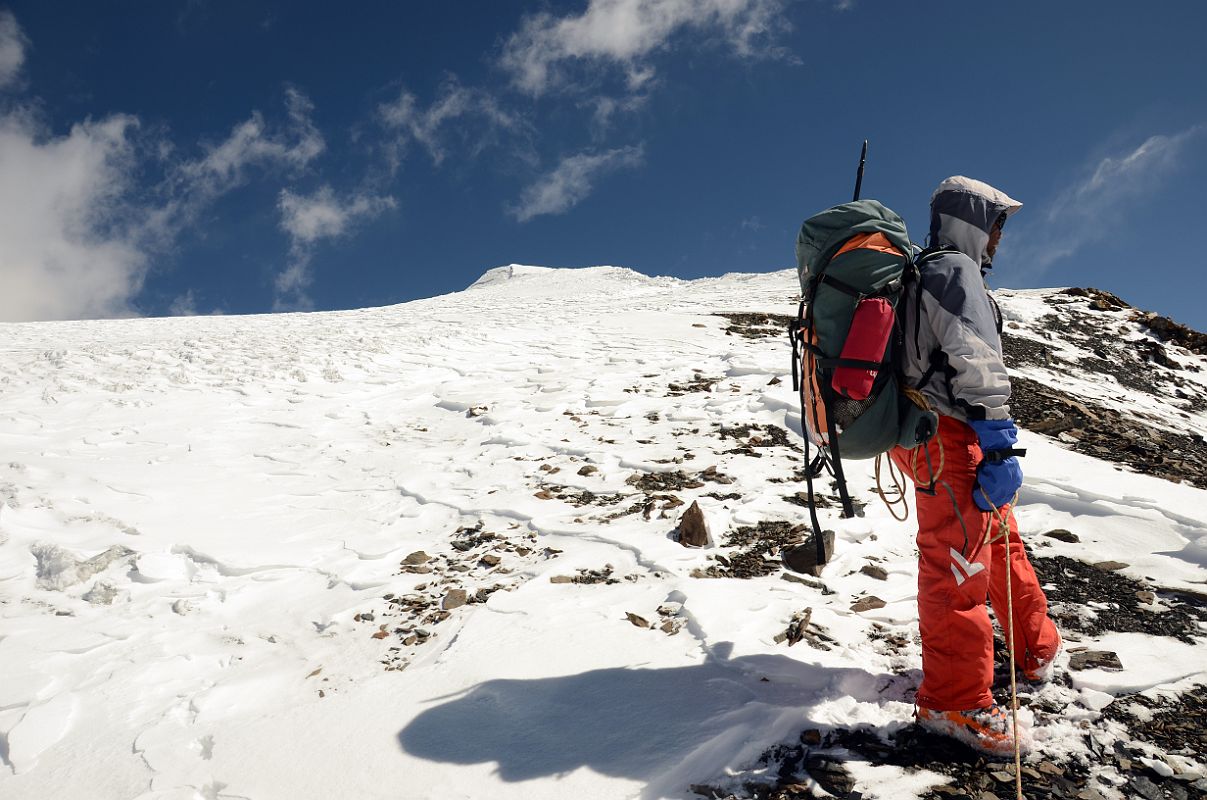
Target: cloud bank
(79, 233)
(69, 251)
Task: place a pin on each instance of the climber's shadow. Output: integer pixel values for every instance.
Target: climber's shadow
(633, 723)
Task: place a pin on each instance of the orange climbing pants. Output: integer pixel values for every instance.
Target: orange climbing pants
(962, 561)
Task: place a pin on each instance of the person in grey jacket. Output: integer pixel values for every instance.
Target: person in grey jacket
(967, 477)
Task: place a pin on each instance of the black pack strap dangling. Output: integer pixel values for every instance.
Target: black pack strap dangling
(848, 510)
(795, 336)
(809, 475)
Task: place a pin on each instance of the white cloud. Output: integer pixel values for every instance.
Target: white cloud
(309, 219)
(194, 184)
(12, 49)
(627, 33)
(605, 110)
(432, 127)
(68, 249)
(185, 305)
(571, 182)
(79, 231)
(1088, 211)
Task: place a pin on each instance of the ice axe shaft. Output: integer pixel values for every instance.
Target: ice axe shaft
(863, 157)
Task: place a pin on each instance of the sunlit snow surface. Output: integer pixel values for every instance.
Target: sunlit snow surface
(194, 510)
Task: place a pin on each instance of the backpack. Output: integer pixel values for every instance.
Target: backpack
(855, 261)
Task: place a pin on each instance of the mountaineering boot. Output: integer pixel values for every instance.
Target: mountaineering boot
(987, 730)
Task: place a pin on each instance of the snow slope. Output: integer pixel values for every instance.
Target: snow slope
(205, 522)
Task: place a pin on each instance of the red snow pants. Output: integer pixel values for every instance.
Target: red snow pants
(958, 568)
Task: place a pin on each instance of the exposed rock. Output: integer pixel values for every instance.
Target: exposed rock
(1072, 585)
(651, 482)
(416, 558)
(712, 475)
(589, 469)
(640, 622)
(753, 437)
(698, 383)
(561, 579)
(1099, 300)
(801, 627)
(1174, 724)
(1109, 435)
(873, 571)
(592, 576)
(1095, 659)
(830, 774)
(761, 545)
(490, 560)
(756, 325)
(812, 584)
(1062, 535)
(1167, 330)
(868, 603)
(693, 527)
(454, 599)
(1110, 566)
(803, 557)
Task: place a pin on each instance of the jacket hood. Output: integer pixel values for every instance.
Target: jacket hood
(962, 212)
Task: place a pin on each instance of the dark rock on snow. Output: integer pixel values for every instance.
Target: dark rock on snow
(1095, 659)
(693, 528)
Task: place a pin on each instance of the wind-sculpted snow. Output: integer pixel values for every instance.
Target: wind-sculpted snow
(428, 551)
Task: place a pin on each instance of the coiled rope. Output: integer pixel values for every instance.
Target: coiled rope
(897, 499)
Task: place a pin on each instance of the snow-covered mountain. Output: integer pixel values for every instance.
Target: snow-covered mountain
(428, 551)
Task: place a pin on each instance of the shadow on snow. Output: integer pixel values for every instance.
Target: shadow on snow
(667, 727)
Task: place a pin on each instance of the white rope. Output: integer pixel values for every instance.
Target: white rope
(1004, 530)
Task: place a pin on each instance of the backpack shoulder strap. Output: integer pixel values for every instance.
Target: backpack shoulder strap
(937, 358)
(932, 252)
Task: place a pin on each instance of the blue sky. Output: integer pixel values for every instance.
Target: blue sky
(243, 157)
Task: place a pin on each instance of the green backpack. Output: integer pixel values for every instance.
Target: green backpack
(855, 262)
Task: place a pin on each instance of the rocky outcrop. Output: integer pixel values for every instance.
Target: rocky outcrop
(1167, 330)
(1108, 434)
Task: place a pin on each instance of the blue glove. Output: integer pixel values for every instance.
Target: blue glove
(999, 474)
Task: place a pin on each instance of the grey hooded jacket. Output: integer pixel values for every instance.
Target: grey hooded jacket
(951, 322)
